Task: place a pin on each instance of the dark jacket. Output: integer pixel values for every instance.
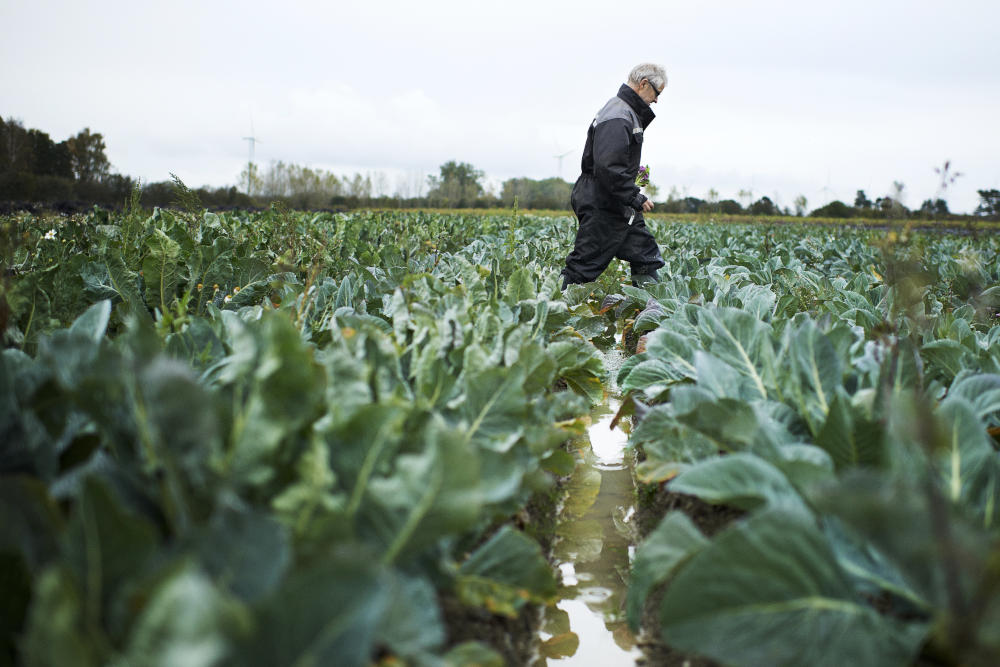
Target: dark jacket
(612, 155)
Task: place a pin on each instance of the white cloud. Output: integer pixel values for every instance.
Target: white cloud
(781, 96)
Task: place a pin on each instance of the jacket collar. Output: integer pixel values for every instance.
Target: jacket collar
(639, 106)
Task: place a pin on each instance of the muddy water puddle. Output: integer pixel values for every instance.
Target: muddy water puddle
(594, 545)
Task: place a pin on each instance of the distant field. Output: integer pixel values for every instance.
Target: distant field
(962, 223)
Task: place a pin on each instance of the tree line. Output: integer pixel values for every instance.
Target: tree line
(76, 173)
(35, 168)
(456, 185)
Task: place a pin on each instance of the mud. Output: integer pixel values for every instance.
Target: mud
(513, 638)
(654, 502)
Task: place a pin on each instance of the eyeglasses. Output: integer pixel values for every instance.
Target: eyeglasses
(656, 93)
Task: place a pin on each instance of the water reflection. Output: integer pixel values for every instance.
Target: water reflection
(592, 552)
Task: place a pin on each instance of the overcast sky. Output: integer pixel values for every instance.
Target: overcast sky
(779, 97)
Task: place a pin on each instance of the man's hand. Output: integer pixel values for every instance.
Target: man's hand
(647, 206)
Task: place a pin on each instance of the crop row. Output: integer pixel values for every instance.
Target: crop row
(279, 439)
(843, 391)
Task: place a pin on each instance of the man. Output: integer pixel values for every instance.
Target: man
(606, 200)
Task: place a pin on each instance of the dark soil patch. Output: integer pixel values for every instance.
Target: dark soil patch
(654, 502)
(513, 638)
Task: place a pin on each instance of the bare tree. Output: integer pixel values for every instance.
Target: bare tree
(746, 196)
(402, 188)
(274, 182)
(251, 176)
(418, 182)
(302, 187)
(359, 187)
(380, 184)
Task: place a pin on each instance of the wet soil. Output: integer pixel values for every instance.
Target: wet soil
(513, 638)
(654, 502)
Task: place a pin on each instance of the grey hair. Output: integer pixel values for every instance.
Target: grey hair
(654, 73)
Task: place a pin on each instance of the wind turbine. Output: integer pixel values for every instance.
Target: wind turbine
(560, 159)
(252, 141)
(825, 191)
